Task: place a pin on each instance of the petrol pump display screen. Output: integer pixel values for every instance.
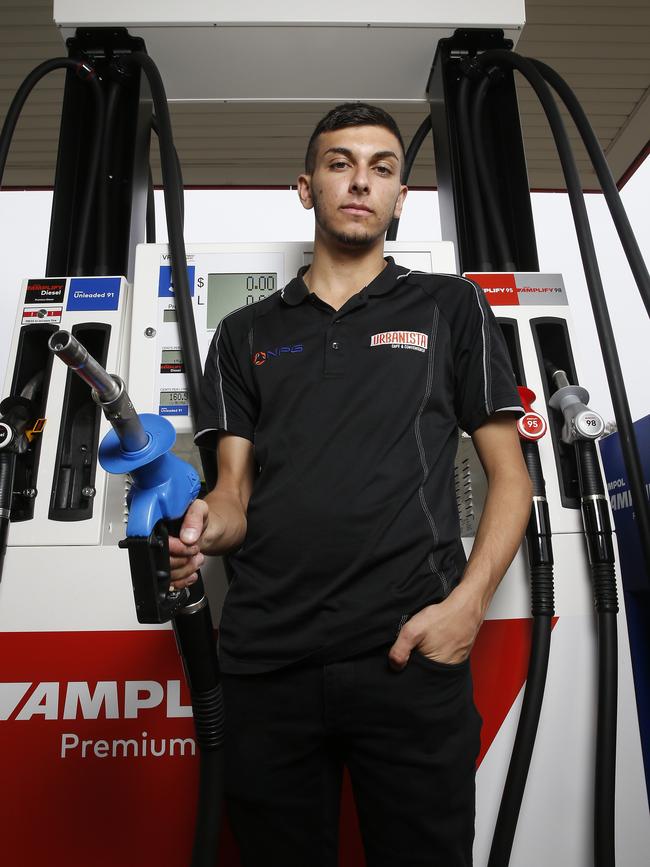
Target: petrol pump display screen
(228, 292)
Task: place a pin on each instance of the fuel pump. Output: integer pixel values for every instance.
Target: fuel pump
(125, 451)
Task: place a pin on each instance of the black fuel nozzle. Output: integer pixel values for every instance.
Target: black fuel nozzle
(532, 427)
(18, 425)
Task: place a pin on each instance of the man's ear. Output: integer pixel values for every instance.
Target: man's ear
(399, 204)
(304, 191)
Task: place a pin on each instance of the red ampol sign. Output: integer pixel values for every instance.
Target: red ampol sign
(97, 750)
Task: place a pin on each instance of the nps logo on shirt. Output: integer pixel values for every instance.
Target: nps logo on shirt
(262, 357)
(401, 340)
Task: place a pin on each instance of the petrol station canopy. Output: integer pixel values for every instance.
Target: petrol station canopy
(601, 49)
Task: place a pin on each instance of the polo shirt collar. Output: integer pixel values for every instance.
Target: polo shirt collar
(296, 290)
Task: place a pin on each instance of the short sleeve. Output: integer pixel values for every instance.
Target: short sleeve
(228, 399)
(484, 382)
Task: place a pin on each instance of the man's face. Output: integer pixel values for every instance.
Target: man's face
(355, 187)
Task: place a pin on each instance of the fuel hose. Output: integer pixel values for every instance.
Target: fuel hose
(7, 468)
(192, 625)
(151, 211)
(409, 158)
(87, 73)
(179, 172)
(162, 489)
(594, 284)
(582, 427)
(540, 558)
(605, 178)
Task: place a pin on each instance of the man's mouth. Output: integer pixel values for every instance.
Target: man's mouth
(356, 208)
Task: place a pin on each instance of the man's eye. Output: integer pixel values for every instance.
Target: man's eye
(339, 164)
(383, 170)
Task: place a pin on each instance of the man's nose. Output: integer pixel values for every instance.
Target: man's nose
(360, 181)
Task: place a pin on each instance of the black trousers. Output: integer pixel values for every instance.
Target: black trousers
(409, 739)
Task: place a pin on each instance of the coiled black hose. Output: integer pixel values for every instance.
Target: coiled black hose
(179, 171)
(610, 191)
(594, 284)
(86, 72)
(7, 468)
(600, 549)
(150, 235)
(540, 558)
(598, 534)
(195, 639)
(409, 158)
(174, 217)
(193, 623)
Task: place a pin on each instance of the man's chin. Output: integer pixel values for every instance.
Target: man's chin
(356, 240)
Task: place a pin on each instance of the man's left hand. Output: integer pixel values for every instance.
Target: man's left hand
(444, 632)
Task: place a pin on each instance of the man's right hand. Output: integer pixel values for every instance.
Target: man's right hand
(185, 555)
(217, 524)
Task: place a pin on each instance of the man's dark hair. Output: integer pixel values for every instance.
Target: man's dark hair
(350, 114)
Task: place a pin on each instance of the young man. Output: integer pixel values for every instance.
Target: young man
(346, 631)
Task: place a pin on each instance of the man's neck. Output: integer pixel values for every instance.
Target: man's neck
(335, 275)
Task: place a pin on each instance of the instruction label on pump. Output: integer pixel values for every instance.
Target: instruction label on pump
(94, 293)
(41, 314)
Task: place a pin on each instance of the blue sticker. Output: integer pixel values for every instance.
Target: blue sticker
(93, 293)
(173, 410)
(165, 281)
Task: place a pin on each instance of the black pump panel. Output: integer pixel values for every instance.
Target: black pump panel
(33, 366)
(73, 487)
(551, 337)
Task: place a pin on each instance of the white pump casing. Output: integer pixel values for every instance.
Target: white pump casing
(289, 50)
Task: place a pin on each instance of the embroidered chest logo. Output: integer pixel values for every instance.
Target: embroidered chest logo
(401, 340)
(264, 356)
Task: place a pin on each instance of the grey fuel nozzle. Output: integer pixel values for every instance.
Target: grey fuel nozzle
(580, 422)
(108, 390)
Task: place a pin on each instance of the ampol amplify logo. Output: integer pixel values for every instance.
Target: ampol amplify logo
(265, 355)
(104, 700)
(500, 289)
(401, 340)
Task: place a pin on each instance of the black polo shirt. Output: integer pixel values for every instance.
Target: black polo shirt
(354, 414)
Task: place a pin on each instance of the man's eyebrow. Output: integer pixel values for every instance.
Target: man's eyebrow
(343, 151)
(346, 152)
(382, 155)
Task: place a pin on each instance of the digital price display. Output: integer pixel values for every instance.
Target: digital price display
(172, 361)
(169, 314)
(228, 292)
(173, 403)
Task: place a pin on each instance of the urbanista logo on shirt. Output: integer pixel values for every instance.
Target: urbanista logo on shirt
(401, 340)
